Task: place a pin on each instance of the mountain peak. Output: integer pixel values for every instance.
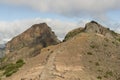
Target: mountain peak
(40, 25)
(38, 35)
(93, 22)
(94, 27)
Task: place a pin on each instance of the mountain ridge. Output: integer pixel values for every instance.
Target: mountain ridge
(84, 55)
(93, 27)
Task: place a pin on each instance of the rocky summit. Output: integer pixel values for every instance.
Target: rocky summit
(30, 42)
(93, 27)
(90, 53)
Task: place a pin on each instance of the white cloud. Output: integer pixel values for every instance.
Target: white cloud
(9, 30)
(97, 9)
(69, 7)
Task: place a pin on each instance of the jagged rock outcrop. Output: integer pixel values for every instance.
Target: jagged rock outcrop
(31, 41)
(93, 27)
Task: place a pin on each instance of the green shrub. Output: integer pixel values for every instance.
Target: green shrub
(97, 64)
(3, 67)
(113, 42)
(106, 39)
(90, 61)
(118, 39)
(2, 59)
(105, 76)
(12, 68)
(73, 33)
(105, 45)
(20, 61)
(99, 77)
(10, 72)
(89, 53)
(92, 46)
(110, 73)
(100, 70)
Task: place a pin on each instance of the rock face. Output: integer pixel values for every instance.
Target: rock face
(94, 27)
(37, 37)
(87, 55)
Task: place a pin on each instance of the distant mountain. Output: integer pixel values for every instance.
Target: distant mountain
(2, 46)
(90, 53)
(2, 50)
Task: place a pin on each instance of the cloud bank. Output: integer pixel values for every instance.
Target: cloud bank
(8, 30)
(69, 7)
(97, 9)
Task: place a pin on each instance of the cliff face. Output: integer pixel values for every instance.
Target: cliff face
(32, 41)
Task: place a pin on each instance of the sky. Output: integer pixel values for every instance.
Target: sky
(61, 15)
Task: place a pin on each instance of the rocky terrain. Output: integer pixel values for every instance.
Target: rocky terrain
(90, 53)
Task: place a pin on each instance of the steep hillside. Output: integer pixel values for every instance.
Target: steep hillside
(93, 54)
(30, 42)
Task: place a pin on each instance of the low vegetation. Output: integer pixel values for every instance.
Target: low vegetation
(108, 73)
(11, 68)
(99, 77)
(97, 64)
(92, 46)
(73, 33)
(100, 70)
(70, 35)
(105, 45)
(89, 53)
(118, 39)
(113, 32)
